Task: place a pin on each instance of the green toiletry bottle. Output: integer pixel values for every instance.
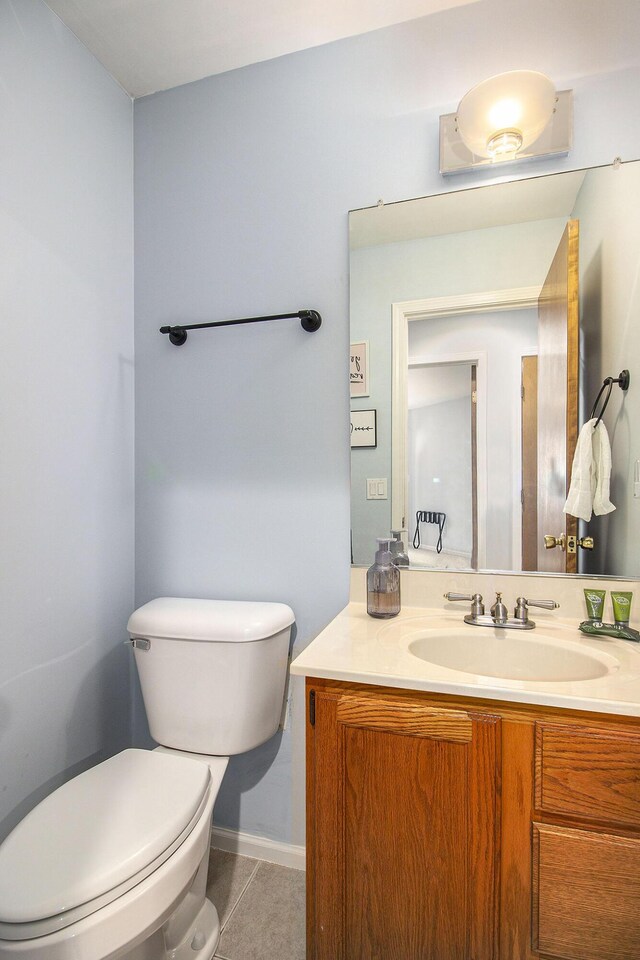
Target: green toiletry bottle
(594, 600)
(621, 600)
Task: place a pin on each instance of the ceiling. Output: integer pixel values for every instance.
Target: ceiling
(151, 45)
(518, 201)
(431, 383)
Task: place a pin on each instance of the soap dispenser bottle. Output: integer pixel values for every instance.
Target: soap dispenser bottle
(398, 554)
(383, 584)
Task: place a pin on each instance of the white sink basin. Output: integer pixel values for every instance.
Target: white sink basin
(509, 655)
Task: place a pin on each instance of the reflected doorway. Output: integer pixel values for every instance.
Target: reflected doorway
(494, 342)
(442, 464)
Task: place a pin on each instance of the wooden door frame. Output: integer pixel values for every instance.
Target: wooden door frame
(474, 465)
(531, 355)
(561, 285)
(403, 313)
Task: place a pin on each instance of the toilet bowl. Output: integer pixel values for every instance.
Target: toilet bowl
(113, 864)
(103, 862)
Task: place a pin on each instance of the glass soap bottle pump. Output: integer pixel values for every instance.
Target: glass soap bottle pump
(383, 583)
(398, 555)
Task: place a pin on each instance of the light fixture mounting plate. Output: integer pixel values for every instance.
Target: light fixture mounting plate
(555, 140)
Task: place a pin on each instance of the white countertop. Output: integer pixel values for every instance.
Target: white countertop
(360, 649)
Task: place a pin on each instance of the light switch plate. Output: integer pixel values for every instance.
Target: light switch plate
(377, 488)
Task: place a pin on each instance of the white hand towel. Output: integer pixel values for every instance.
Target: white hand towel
(602, 470)
(583, 481)
(590, 473)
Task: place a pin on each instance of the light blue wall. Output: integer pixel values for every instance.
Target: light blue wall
(607, 208)
(243, 183)
(66, 407)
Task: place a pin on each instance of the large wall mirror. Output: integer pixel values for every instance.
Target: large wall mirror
(483, 324)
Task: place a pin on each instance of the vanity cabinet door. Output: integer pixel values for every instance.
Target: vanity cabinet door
(586, 894)
(403, 826)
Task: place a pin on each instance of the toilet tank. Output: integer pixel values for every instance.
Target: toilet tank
(212, 672)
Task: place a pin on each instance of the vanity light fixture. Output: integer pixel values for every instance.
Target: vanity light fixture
(510, 117)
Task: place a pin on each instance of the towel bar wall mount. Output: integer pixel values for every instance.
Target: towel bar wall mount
(623, 379)
(310, 321)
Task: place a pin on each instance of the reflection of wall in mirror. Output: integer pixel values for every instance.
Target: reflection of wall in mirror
(607, 208)
(439, 455)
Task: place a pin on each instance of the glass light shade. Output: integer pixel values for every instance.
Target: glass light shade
(503, 110)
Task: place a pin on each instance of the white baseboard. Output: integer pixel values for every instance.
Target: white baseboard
(260, 848)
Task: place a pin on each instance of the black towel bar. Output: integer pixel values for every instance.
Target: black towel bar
(309, 319)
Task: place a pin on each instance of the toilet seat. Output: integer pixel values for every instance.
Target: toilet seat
(97, 837)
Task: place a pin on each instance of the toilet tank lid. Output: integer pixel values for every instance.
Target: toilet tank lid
(182, 618)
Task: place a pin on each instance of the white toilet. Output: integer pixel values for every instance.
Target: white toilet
(113, 865)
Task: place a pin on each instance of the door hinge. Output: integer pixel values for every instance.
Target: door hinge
(474, 396)
(312, 707)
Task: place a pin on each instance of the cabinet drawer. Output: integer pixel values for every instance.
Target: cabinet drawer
(588, 773)
(586, 894)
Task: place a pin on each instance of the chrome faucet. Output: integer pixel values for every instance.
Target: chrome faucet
(499, 616)
(499, 613)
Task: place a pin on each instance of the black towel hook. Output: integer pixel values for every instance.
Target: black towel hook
(623, 379)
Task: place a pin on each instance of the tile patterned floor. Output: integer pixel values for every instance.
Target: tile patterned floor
(261, 907)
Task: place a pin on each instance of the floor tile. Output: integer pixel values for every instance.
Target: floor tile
(228, 876)
(269, 921)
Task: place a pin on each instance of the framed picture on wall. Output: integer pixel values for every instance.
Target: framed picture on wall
(359, 369)
(363, 428)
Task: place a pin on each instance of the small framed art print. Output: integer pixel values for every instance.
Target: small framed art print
(363, 428)
(359, 369)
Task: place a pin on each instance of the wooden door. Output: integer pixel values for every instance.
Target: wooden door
(402, 831)
(529, 434)
(558, 351)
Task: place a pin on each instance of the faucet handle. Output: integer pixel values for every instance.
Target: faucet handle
(477, 606)
(522, 604)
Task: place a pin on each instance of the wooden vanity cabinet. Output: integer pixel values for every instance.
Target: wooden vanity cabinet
(440, 828)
